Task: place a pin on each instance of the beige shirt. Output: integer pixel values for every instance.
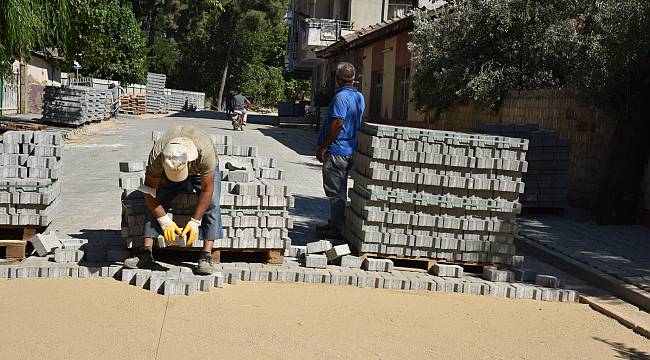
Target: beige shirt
(204, 165)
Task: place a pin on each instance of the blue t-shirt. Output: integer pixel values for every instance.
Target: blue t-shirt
(348, 104)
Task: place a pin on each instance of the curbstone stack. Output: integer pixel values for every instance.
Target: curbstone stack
(547, 178)
(155, 90)
(30, 167)
(76, 105)
(435, 194)
(254, 209)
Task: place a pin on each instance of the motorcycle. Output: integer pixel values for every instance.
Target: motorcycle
(238, 121)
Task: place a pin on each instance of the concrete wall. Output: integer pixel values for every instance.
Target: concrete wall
(365, 12)
(39, 74)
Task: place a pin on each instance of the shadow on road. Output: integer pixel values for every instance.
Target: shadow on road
(300, 141)
(625, 352)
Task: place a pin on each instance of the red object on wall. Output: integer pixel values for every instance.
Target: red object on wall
(378, 56)
(403, 55)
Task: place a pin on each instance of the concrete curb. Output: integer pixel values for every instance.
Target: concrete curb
(624, 291)
(610, 312)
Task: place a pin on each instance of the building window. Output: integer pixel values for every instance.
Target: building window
(397, 8)
(376, 85)
(401, 100)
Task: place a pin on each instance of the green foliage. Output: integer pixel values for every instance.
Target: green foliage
(479, 49)
(262, 84)
(27, 25)
(106, 39)
(297, 89)
(475, 51)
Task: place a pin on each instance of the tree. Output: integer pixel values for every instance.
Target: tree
(251, 13)
(26, 25)
(106, 39)
(475, 51)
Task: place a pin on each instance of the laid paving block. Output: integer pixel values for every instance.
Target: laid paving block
(378, 265)
(337, 252)
(547, 281)
(316, 261)
(493, 274)
(318, 247)
(446, 270)
(349, 261)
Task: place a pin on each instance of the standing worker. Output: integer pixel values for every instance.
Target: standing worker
(337, 142)
(116, 91)
(184, 157)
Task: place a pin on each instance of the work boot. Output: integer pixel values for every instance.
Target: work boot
(142, 260)
(205, 266)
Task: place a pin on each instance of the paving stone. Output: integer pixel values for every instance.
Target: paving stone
(318, 247)
(316, 261)
(350, 261)
(45, 243)
(524, 274)
(445, 270)
(379, 265)
(547, 281)
(337, 252)
(493, 274)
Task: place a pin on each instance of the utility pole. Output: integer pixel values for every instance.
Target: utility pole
(22, 92)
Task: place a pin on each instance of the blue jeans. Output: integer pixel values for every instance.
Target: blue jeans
(211, 228)
(335, 183)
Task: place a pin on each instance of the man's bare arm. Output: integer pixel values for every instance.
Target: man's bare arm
(154, 205)
(332, 134)
(205, 197)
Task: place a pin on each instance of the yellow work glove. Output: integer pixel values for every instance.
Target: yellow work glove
(191, 231)
(169, 228)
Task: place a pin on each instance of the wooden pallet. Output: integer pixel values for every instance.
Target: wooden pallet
(19, 125)
(422, 263)
(273, 256)
(14, 239)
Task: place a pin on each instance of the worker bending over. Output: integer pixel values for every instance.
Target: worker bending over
(183, 158)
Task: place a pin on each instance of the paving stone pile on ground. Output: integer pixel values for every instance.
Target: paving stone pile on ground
(255, 201)
(620, 251)
(156, 101)
(435, 194)
(175, 280)
(75, 105)
(547, 178)
(30, 168)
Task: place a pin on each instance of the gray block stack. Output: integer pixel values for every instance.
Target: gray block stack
(156, 101)
(254, 203)
(547, 179)
(30, 169)
(76, 105)
(179, 100)
(435, 194)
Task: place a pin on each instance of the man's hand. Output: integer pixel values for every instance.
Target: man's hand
(169, 228)
(320, 155)
(191, 231)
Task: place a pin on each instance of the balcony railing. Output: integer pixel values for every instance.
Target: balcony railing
(323, 32)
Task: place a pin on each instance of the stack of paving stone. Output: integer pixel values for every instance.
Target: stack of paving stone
(255, 201)
(30, 169)
(547, 178)
(156, 93)
(435, 194)
(133, 104)
(179, 100)
(75, 105)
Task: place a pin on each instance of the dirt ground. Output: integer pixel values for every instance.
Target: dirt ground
(105, 319)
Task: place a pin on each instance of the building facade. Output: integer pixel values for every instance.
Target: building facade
(315, 25)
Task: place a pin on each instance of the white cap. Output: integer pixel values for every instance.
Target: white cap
(176, 154)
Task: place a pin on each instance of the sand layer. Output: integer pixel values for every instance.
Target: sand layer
(105, 319)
